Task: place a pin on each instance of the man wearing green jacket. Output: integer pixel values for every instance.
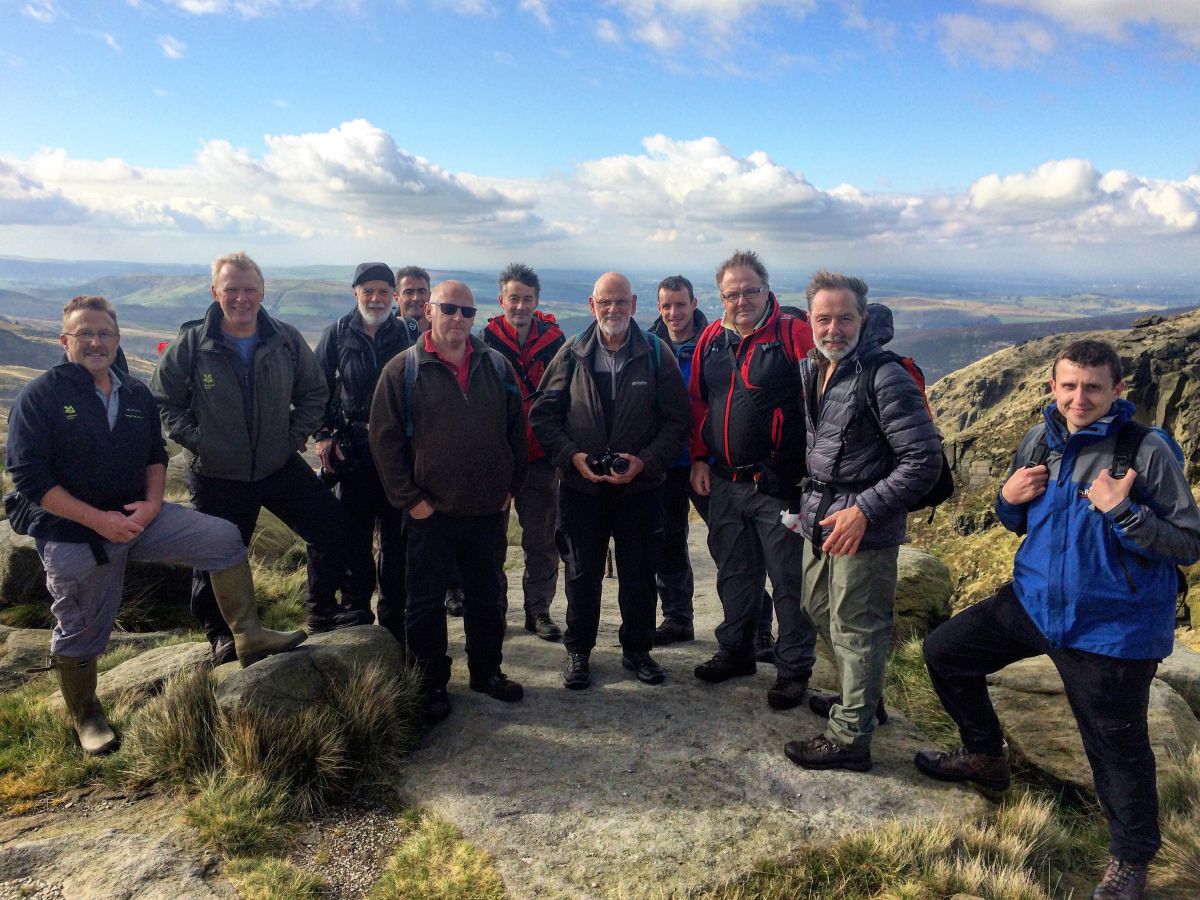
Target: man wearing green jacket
(241, 392)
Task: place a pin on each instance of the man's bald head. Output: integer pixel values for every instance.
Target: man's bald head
(448, 291)
(613, 303)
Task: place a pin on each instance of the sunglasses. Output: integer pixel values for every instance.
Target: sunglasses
(449, 309)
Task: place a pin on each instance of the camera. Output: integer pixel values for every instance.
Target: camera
(608, 463)
(349, 461)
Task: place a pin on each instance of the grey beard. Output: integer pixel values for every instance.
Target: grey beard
(610, 331)
(838, 355)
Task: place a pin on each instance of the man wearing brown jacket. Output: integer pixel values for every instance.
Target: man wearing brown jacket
(448, 433)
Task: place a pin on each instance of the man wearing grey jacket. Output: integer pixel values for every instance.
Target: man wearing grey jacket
(865, 467)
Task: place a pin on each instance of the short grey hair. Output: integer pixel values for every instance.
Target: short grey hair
(825, 280)
(744, 259)
(521, 273)
(239, 260)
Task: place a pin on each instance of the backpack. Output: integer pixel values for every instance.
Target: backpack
(652, 339)
(1129, 442)
(412, 368)
(865, 400)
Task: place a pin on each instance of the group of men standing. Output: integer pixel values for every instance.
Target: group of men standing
(798, 439)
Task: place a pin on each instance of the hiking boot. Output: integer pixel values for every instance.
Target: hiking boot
(437, 705)
(498, 686)
(1121, 881)
(543, 626)
(334, 617)
(77, 682)
(578, 674)
(454, 602)
(991, 772)
(673, 631)
(822, 753)
(822, 703)
(764, 647)
(643, 665)
(233, 589)
(223, 650)
(786, 693)
(722, 667)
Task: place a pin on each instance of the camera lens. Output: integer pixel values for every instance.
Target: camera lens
(619, 465)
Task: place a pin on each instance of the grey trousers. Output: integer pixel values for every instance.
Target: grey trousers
(748, 543)
(537, 510)
(85, 596)
(851, 600)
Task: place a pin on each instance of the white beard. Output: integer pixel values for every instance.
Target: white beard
(611, 330)
(838, 355)
(375, 319)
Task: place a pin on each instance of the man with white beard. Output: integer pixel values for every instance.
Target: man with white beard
(351, 354)
(865, 467)
(612, 415)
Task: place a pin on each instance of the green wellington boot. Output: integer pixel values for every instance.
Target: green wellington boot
(234, 590)
(77, 681)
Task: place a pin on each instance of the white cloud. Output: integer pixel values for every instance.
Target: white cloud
(661, 24)
(1179, 19)
(469, 7)
(281, 104)
(111, 41)
(607, 31)
(44, 11)
(172, 48)
(998, 45)
(539, 9)
(659, 36)
(353, 192)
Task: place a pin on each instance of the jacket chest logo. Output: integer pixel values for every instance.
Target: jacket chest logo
(69, 412)
(207, 381)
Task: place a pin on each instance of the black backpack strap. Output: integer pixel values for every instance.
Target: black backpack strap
(1129, 442)
(1040, 452)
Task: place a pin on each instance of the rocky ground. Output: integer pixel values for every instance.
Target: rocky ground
(620, 790)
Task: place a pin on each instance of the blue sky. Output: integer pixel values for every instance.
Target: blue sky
(983, 136)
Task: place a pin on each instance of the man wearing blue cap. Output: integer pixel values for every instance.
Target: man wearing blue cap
(351, 354)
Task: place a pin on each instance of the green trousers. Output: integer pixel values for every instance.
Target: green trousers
(850, 599)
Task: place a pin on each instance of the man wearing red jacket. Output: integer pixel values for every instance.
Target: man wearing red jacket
(746, 416)
(529, 339)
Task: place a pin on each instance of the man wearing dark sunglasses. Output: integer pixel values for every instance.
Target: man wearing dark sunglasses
(448, 434)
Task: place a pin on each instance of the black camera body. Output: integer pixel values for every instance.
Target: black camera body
(608, 463)
(349, 461)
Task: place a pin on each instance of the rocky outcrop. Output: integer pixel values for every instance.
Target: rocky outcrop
(137, 680)
(1181, 670)
(100, 845)
(294, 681)
(28, 649)
(1041, 731)
(923, 589)
(23, 580)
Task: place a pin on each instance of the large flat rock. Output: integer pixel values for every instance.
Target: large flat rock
(631, 790)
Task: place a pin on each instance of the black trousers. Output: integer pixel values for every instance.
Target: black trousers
(1108, 696)
(674, 581)
(366, 505)
(296, 495)
(585, 524)
(439, 548)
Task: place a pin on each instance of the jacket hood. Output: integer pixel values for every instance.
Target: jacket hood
(1056, 426)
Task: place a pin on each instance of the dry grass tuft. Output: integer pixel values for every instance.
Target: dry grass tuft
(380, 715)
(433, 862)
(304, 754)
(172, 739)
(273, 879)
(238, 816)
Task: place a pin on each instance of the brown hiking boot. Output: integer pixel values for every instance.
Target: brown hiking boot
(822, 753)
(991, 772)
(1121, 881)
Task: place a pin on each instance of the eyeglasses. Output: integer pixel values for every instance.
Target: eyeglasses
(449, 309)
(86, 337)
(749, 294)
(613, 304)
